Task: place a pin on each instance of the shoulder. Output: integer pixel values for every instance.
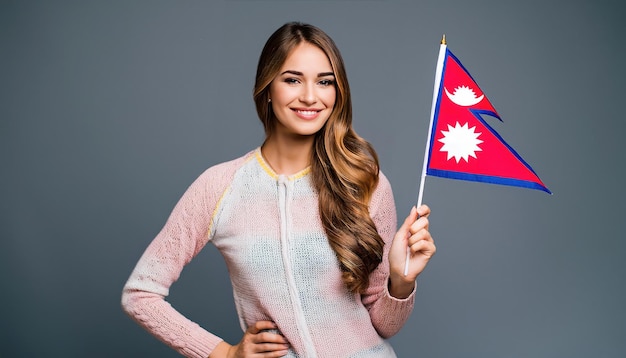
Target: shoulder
(218, 177)
(382, 180)
(383, 198)
(383, 208)
(226, 170)
(383, 188)
(231, 165)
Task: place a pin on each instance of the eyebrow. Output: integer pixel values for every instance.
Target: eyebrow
(298, 73)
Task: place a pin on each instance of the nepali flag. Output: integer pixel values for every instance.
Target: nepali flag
(461, 145)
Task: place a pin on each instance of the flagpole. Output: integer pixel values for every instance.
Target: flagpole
(438, 74)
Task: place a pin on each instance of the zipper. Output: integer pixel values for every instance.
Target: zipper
(284, 200)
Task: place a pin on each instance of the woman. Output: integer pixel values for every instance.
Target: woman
(306, 224)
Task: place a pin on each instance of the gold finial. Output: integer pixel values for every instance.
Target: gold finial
(443, 40)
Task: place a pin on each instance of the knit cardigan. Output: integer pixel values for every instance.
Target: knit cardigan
(282, 268)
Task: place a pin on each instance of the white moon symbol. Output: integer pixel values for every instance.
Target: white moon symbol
(464, 96)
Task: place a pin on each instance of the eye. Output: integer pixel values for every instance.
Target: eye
(327, 82)
(291, 80)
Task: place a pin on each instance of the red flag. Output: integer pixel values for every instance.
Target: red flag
(462, 145)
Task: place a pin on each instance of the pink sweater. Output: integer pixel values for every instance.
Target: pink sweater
(282, 268)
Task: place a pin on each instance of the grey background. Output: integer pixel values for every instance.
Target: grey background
(109, 109)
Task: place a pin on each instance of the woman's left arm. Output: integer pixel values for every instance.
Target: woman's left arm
(390, 295)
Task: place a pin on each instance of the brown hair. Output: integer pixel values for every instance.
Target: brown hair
(344, 167)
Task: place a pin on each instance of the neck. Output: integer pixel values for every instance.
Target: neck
(288, 156)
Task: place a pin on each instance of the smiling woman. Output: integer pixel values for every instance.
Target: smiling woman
(306, 223)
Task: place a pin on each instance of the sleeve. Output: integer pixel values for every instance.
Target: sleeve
(388, 314)
(184, 234)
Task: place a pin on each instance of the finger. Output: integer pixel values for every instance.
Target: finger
(259, 326)
(406, 225)
(270, 337)
(423, 210)
(422, 234)
(271, 347)
(275, 354)
(420, 224)
(424, 247)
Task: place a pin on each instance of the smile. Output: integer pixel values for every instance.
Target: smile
(308, 113)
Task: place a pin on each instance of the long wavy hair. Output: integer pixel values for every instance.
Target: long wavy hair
(344, 166)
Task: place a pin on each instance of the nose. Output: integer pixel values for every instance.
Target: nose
(308, 94)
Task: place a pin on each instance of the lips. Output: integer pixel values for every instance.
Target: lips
(307, 113)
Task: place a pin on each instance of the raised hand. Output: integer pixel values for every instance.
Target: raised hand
(413, 234)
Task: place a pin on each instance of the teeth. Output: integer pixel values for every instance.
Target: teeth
(308, 113)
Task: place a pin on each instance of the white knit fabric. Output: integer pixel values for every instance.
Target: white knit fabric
(282, 268)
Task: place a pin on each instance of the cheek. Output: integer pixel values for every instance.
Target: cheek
(330, 98)
(282, 96)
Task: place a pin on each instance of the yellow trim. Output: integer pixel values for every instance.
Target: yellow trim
(271, 171)
(219, 203)
(264, 164)
(300, 174)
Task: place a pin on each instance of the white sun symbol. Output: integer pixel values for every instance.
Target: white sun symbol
(460, 142)
(464, 96)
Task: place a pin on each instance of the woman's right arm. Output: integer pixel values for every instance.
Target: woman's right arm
(181, 239)
(185, 233)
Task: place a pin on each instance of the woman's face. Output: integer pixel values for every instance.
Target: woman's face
(303, 94)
